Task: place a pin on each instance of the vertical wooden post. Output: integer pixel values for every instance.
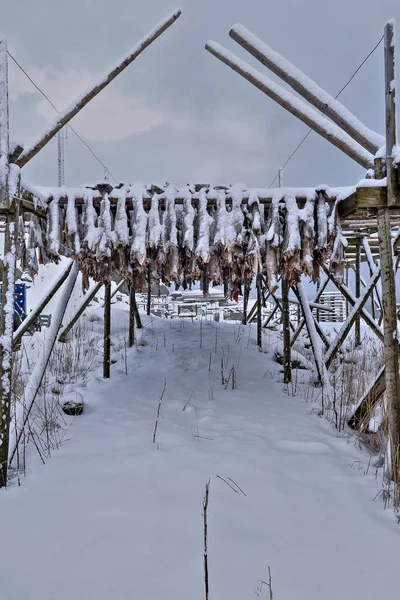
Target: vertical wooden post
(107, 330)
(9, 207)
(391, 343)
(287, 360)
(259, 311)
(148, 308)
(347, 285)
(131, 337)
(246, 294)
(357, 325)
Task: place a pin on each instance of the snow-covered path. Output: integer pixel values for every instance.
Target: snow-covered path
(113, 516)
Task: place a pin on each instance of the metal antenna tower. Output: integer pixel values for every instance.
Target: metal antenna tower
(61, 171)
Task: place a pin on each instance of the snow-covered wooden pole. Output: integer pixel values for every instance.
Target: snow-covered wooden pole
(391, 344)
(318, 123)
(312, 334)
(9, 186)
(357, 327)
(259, 311)
(307, 88)
(287, 360)
(72, 110)
(107, 331)
(33, 315)
(81, 308)
(37, 374)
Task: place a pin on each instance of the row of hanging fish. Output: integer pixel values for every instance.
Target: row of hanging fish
(182, 235)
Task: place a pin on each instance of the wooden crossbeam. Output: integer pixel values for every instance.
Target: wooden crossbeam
(310, 91)
(295, 106)
(368, 402)
(346, 327)
(365, 315)
(302, 323)
(33, 315)
(76, 106)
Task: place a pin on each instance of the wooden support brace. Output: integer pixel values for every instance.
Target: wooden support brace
(352, 301)
(33, 315)
(131, 335)
(344, 331)
(76, 106)
(310, 91)
(321, 290)
(295, 106)
(38, 372)
(84, 304)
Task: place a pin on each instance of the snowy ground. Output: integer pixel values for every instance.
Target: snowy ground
(114, 516)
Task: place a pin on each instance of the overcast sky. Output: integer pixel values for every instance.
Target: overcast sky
(177, 114)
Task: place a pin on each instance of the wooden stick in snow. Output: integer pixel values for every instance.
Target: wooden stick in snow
(307, 88)
(107, 331)
(131, 336)
(73, 109)
(205, 540)
(318, 123)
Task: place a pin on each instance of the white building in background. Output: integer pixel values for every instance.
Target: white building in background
(335, 301)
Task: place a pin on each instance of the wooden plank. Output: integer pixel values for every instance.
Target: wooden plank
(295, 106)
(76, 106)
(371, 197)
(308, 89)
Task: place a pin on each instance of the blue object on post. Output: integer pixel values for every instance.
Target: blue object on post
(19, 300)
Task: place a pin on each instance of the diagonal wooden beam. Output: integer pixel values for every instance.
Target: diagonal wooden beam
(82, 100)
(351, 300)
(346, 327)
(316, 325)
(312, 333)
(303, 322)
(33, 315)
(307, 88)
(318, 123)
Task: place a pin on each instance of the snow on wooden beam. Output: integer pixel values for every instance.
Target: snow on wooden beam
(318, 123)
(348, 324)
(307, 88)
(36, 377)
(73, 109)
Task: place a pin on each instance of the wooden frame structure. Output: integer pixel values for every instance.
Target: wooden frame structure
(356, 215)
